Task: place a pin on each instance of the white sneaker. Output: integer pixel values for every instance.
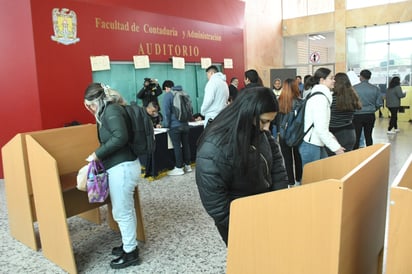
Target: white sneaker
(397, 130)
(176, 171)
(188, 168)
(390, 132)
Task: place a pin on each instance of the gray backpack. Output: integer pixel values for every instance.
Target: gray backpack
(182, 105)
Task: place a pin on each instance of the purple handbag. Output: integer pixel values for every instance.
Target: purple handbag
(97, 182)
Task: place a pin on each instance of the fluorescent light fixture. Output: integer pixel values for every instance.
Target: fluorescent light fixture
(314, 37)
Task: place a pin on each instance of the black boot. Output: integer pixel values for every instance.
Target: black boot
(117, 251)
(126, 259)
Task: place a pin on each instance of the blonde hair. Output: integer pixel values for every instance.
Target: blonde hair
(100, 94)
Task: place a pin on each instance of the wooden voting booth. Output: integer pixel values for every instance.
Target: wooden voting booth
(47, 191)
(399, 234)
(19, 191)
(333, 223)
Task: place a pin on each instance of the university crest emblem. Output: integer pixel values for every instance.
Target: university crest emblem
(64, 26)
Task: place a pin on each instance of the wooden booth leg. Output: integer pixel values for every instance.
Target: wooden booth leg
(51, 213)
(19, 194)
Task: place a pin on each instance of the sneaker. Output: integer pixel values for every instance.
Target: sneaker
(390, 132)
(397, 130)
(188, 168)
(176, 171)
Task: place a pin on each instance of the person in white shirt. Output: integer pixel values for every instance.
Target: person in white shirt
(317, 112)
(277, 87)
(216, 94)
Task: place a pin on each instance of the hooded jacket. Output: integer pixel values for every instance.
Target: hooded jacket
(216, 96)
(169, 118)
(317, 112)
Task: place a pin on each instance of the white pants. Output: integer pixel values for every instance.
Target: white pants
(123, 180)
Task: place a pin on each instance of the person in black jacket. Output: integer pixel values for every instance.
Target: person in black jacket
(152, 110)
(149, 92)
(113, 125)
(233, 91)
(252, 79)
(237, 156)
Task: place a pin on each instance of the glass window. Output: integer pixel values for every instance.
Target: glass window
(356, 4)
(318, 7)
(400, 51)
(385, 50)
(297, 50)
(304, 52)
(300, 8)
(321, 48)
(294, 8)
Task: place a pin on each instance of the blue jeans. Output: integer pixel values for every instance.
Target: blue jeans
(123, 180)
(310, 153)
(180, 140)
(275, 132)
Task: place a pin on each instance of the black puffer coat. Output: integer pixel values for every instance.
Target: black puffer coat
(219, 185)
(113, 134)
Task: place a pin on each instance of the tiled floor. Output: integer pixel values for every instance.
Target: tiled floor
(181, 238)
(401, 143)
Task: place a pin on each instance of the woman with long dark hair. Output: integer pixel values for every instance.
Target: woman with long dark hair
(237, 156)
(393, 102)
(345, 101)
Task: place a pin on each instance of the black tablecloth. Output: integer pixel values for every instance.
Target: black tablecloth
(163, 158)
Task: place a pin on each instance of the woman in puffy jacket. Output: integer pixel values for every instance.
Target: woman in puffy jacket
(113, 126)
(237, 156)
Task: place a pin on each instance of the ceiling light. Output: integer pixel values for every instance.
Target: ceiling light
(316, 37)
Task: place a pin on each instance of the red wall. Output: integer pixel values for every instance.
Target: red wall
(223, 12)
(19, 104)
(44, 81)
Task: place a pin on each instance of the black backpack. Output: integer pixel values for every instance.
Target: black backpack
(292, 124)
(182, 105)
(141, 136)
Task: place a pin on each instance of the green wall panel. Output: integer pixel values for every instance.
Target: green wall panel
(124, 78)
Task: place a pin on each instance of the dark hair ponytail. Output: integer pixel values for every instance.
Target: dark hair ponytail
(94, 91)
(310, 82)
(315, 79)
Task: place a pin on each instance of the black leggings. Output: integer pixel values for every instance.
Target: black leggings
(393, 122)
(293, 162)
